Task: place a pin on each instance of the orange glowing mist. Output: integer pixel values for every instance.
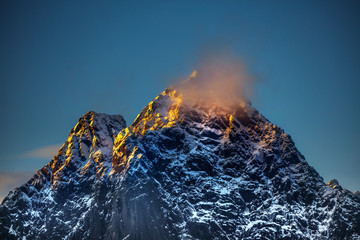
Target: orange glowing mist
(221, 80)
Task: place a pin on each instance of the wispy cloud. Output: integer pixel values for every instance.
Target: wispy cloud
(11, 180)
(220, 78)
(43, 152)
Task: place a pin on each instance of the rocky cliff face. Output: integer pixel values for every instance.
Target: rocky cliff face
(182, 170)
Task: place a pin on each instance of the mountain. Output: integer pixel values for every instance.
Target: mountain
(182, 170)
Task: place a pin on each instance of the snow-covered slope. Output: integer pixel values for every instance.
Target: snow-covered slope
(182, 170)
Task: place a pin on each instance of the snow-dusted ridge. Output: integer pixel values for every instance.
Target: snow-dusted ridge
(182, 170)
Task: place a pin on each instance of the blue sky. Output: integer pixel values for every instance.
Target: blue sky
(60, 59)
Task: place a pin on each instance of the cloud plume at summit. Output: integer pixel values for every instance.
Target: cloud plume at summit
(222, 80)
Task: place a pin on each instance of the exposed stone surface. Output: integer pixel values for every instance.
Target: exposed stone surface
(180, 171)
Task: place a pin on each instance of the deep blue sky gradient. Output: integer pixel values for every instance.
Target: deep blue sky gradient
(60, 59)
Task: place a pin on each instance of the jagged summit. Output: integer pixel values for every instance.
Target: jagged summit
(182, 170)
(89, 145)
(334, 184)
(171, 107)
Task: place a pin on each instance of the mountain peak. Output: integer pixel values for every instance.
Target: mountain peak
(185, 169)
(173, 106)
(87, 150)
(163, 111)
(334, 183)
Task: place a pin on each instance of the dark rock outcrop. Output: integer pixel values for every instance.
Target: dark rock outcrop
(180, 171)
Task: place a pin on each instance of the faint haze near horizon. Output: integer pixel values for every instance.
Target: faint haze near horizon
(59, 60)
